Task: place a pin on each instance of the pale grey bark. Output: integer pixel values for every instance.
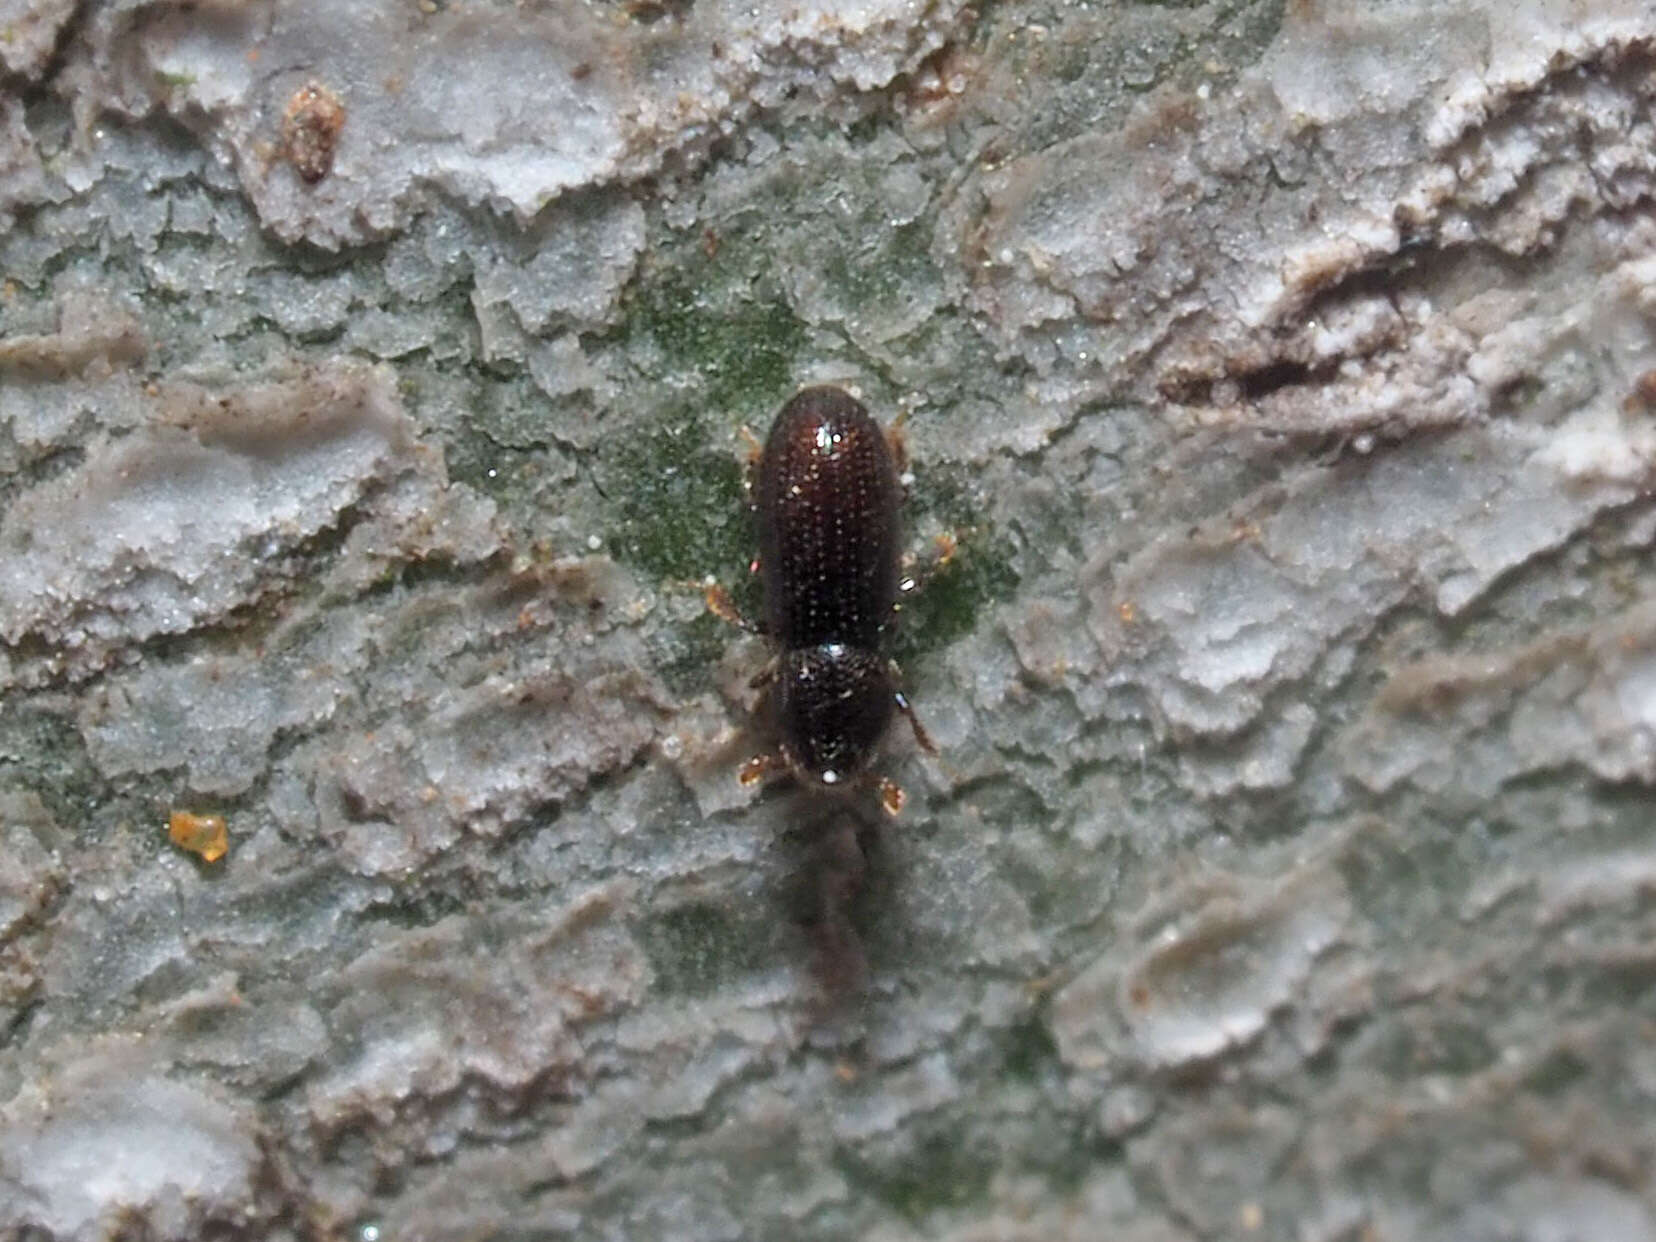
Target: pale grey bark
(370, 375)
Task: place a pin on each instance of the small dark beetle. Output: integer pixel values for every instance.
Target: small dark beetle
(827, 494)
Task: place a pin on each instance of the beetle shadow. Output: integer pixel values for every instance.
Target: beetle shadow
(826, 898)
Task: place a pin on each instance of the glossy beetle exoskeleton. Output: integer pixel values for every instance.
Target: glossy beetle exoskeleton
(827, 494)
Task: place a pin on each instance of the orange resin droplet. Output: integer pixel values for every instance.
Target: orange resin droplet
(206, 835)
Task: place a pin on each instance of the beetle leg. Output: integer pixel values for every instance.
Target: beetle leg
(723, 607)
(892, 796)
(897, 441)
(764, 676)
(755, 450)
(916, 575)
(920, 734)
(759, 767)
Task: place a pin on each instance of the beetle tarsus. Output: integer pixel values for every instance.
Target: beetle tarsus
(759, 767)
(892, 796)
(916, 576)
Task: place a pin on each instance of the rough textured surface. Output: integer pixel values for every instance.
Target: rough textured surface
(370, 378)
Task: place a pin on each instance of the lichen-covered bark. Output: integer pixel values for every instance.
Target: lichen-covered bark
(370, 381)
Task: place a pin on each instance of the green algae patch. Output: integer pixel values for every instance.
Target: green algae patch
(981, 571)
(723, 348)
(681, 512)
(947, 607)
(694, 948)
(1031, 1053)
(737, 347)
(935, 1172)
(686, 654)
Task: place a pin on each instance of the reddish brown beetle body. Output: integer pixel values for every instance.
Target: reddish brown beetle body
(828, 499)
(827, 494)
